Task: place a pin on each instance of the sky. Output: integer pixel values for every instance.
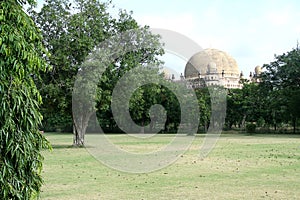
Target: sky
(250, 31)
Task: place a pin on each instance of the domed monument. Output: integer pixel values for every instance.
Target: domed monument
(212, 67)
(258, 70)
(255, 76)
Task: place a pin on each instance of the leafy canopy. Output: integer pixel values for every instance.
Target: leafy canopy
(21, 61)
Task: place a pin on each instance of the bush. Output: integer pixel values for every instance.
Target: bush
(21, 142)
(56, 122)
(250, 128)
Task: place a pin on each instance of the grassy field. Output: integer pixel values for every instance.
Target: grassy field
(239, 167)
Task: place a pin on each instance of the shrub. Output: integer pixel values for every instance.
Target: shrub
(250, 128)
(20, 139)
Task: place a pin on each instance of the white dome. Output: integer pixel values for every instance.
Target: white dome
(258, 70)
(210, 59)
(212, 67)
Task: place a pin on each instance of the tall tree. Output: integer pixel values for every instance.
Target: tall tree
(204, 107)
(72, 30)
(281, 79)
(129, 46)
(139, 50)
(20, 140)
(235, 112)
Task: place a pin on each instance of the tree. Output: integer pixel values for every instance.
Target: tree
(281, 79)
(20, 140)
(140, 103)
(204, 107)
(72, 30)
(275, 107)
(139, 50)
(294, 107)
(251, 102)
(172, 105)
(235, 112)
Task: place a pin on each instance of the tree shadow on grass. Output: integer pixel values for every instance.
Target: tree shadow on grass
(62, 146)
(67, 146)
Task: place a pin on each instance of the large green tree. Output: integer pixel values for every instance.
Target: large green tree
(235, 111)
(149, 95)
(204, 104)
(281, 79)
(72, 30)
(21, 61)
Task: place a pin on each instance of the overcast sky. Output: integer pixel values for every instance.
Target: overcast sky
(250, 31)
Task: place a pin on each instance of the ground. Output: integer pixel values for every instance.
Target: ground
(239, 167)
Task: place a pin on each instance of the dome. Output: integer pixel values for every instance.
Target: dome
(167, 73)
(212, 67)
(258, 70)
(209, 59)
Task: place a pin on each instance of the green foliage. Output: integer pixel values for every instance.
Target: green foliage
(152, 94)
(71, 31)
(250, 128)
(274, 101)
(281, 80)
(57, 122)
(235, 109)
(204, 104)
(141, 57)
(294, 103)
(255, 103)
(20, 139)
(69, 38)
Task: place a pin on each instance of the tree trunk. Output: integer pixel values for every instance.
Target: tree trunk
(152, 124)
(244, 121)
(166, 125)
(79, 129)
(294, 125)
(78, 138)
(142, 128)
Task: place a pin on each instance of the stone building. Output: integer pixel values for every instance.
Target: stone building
(212, 67)
(254, 77)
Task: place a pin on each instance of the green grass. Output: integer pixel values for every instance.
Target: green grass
(239, 167)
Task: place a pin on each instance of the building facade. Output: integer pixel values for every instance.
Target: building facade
(212, 67)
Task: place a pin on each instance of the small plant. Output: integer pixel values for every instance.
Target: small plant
(250, 128)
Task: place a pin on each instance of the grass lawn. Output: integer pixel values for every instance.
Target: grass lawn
(239, 167)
